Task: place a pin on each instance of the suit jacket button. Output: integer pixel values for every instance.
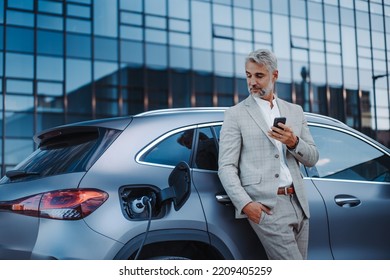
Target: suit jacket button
(276, 175)
(276, 156)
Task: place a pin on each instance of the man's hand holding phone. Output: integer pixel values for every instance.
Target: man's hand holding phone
(281, 132)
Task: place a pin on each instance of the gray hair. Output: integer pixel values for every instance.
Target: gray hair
(264, 57)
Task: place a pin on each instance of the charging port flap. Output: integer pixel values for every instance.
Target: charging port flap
(179, 186)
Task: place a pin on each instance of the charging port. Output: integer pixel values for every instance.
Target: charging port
(134, 202)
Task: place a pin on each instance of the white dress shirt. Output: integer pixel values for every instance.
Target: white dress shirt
(269, 114)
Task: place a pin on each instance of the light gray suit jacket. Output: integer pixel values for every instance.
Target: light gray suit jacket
(249, 163)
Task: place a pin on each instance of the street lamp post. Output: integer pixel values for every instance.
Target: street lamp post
(374, 78)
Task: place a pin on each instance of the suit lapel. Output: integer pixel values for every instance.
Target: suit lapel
(256, 114)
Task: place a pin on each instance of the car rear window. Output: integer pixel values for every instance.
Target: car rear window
(70, 151)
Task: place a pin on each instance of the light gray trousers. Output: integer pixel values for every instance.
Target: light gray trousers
(285, 233)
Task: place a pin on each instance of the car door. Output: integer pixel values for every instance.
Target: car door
(232, 236)
(353, 178)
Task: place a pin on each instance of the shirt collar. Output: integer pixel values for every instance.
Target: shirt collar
(265, 103)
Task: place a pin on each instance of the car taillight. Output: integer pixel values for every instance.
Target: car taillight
(63, 204)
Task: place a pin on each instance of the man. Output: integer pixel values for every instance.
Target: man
(258, 163)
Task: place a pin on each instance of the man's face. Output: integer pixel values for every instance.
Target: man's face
(260, 82)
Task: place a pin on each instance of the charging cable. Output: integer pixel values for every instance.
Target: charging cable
(139, 204)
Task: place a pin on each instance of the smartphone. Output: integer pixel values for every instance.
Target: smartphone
(279, 120)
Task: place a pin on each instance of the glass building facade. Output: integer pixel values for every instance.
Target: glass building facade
(73, 60)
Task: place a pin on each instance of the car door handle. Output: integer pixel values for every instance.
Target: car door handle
(346, 201)
(223, 198)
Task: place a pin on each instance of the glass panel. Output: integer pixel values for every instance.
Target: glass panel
(179, 25)
(20, 18)
(201, 25)
(336, 104)
(19, 65)
(156, 36)
(19, 103)
(83, 11)
(158, 89)
(78, 26)
(320, 104)
(331, 14)
(50, 7)
(156, 7)
(179, 39)
(105, 18)
(203, 90)
(181, 89)
(50, 104)
(262, 21)
(206, 156)
(78, 74)
(130, 32)
(202, 60)
(133, 101)
(179, 58)
(19, 124)
(133, 5)
(156, 55)
(298, 8)
(48, 120)
(172, 150)
(132, 52)
(24, 5)
(20, 39)
(263, 5)
(155, 22)
(314, 11)
(298, 27)
(16, 150)
(222, 15)
(242, 18)
(20, 87)
(106, 49)
(343, 156)
(179, 9)
(223, 64)
(107, 101)
(50, 42)
(48, 88)
(50, 68)
(78, 46)
(225, 87)
(104, 70)
(281, 37)
(131, 18)
(50, 22)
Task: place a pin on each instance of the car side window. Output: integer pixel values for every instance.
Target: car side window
(206, 156)
(344, 156)
(172, 150)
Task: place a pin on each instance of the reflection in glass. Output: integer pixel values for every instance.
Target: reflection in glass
(78, 46)
(19, 125)
(19, 65)
(16, 150)
(172, 150)
(343, 156)
(20, 39)
(50, 22)
(50, 68)
(50, 42)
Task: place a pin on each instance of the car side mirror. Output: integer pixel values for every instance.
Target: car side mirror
(179, 186)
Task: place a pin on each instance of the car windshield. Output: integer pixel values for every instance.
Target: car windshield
(67, 153)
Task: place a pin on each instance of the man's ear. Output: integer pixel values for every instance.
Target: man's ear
(275, 75)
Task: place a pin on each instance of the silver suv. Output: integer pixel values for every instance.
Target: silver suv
(146, 187)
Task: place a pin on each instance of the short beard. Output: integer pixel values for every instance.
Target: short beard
(264, 92)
